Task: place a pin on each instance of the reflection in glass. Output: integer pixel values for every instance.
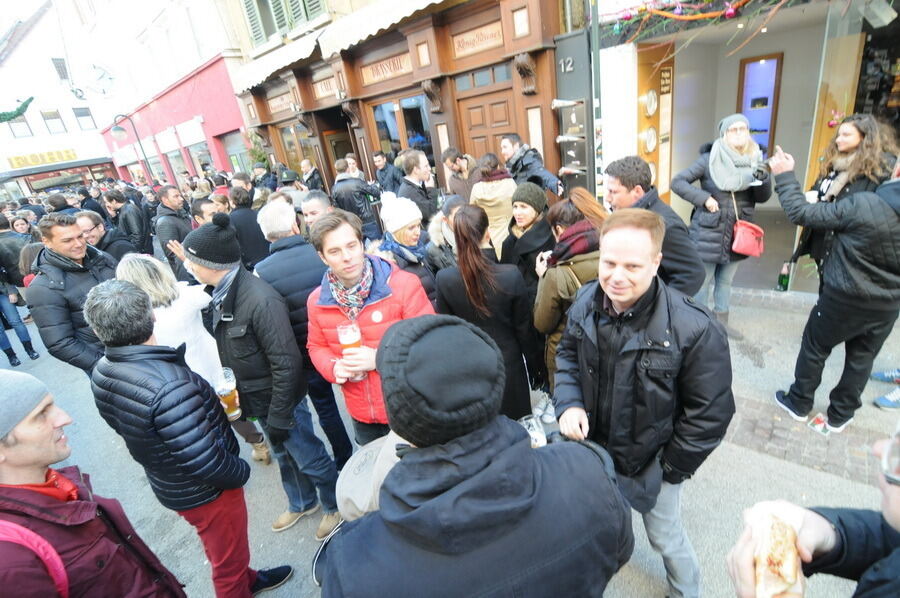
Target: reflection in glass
(201, 157)
(501, 73)
(176, 161)
(482, 77)
(388, 131)
(291, 153)
(415, 118)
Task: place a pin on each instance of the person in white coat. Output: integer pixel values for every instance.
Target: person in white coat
(177, 308)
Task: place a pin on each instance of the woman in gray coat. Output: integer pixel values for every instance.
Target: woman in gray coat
(731, 178)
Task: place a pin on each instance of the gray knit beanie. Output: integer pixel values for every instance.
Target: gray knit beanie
(20, 393)
(726, 122)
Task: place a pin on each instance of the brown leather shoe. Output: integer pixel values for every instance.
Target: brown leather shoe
(327, 525)
(261, 452)
(289, 519)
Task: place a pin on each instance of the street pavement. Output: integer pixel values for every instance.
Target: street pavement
(766, 455)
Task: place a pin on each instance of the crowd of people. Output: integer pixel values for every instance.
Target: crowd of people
(443, 319)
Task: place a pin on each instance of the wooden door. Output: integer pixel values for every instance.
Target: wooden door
(484, 119)
(337, 145)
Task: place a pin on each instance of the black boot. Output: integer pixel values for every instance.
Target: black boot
(30, 350)
(13, 360)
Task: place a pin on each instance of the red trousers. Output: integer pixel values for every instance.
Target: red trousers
(222, 527)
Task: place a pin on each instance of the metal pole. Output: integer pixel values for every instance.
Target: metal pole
(147, 172)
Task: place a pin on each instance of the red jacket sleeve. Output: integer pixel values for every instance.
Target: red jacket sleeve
(319, 352)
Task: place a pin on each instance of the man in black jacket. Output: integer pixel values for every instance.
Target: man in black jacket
(174, 427)
(856, 544)
(389, 176)
(11, 244)
(254, 337)
(128, 218)
(628, 185)
(663, 400)
(418, 173)
(67, 268)
(525, 164)
(295, 270)
(471, 508)
(111, 241)
(860, 297)
(173, 223)
(254, 246)
(311, 179)
(352, 194)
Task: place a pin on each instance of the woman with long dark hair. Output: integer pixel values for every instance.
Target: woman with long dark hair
(493, 297)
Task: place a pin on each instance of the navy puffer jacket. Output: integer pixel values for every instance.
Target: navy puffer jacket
(171, 422)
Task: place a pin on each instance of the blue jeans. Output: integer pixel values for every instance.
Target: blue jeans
(305, 465)
(667, 536)
(723, 275)
(322, 396)
(12, 316)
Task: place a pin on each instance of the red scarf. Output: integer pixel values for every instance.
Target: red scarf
(56, 486)
(578, 239)
(496, 175)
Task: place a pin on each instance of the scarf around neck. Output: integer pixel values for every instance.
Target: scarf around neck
(731, 171)
(497, 175)
(411, 253)
(578, 239)
(351, 300)
(838, 178)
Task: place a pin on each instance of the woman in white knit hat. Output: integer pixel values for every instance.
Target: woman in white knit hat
(404, 240)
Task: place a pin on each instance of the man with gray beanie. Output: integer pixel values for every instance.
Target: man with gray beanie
(255, 339)
(56, 536)
(471, 508)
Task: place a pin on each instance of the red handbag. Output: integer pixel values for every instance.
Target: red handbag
(748, 237)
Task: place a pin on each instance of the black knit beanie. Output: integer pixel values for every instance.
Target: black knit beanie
(441, 378)
(214, 244)
(532, 195)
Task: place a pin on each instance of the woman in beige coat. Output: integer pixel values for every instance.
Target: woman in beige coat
(493, 193)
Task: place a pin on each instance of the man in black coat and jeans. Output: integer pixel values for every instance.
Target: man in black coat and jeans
(254, 246)
(860, 297)
(295, 270)
(174, 427)
(471, 508)
(645, 372)
(254, 337)
(352, 194)
(628, 185)
(67, 268)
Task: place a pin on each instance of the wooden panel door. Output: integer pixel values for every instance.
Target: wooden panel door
(484, 119)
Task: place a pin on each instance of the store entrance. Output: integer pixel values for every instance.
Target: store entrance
(337, 145)
(485, 119)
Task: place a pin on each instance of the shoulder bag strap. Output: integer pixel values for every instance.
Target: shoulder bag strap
(734, 202)
(17, 534)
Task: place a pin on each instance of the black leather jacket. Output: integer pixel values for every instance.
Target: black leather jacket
(351, 194)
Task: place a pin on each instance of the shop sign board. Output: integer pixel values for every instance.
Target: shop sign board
(389, 68)
(279, 103)
(37, 159)
(478, 40)
(324, 88)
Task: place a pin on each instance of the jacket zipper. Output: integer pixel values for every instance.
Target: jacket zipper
(610, 369)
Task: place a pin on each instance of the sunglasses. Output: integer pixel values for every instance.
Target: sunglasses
(890, 460)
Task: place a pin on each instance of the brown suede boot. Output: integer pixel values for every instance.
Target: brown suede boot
(261, 452)
(722, 316)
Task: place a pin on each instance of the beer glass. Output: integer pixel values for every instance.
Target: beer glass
(228, 394)
(350, 337)
(535, 429)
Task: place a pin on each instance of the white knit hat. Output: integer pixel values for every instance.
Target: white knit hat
(398, 212)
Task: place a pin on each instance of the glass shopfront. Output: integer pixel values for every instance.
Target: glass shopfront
(402, 123)
(298, 145)
(176, 161)
(201, 157)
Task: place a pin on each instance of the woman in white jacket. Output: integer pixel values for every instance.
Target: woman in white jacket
(177, 309)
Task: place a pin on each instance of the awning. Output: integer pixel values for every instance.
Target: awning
(256, 71)
(367, 21)
(19, 172)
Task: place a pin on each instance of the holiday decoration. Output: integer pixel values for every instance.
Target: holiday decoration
(14, 114)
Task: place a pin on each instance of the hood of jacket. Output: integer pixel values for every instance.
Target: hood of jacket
(890, 193)
(458, 496)
(164, 210)
(436, 231)
(520, 154)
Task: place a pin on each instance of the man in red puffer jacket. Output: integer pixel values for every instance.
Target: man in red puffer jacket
(369, 291)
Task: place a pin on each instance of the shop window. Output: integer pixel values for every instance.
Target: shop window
(268, 17)
(60, 65)
(19, 127)
(406, 128)
(415, 117)
(463, 82)
(85, 118)
(501, 73)
(201, 157)
(156, 168)
(387, 128)
(176, 161)
(298, 145)
(483, 77)
(54, 122)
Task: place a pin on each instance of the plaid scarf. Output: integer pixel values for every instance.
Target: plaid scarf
(352, 300)
(579, 238)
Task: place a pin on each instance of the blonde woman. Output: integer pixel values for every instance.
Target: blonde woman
(493, 193)
(223, 204)
(260, 198)
(730, 178)
(177, 309)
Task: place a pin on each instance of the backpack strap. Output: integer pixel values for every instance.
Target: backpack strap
(17, 534)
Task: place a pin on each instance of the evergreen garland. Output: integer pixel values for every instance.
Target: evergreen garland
(14, 114)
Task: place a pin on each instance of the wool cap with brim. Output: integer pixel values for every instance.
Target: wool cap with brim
(214, 244)
(531, 194)
(289, 176)
(259, 165)
(726, 122)
(20, 393)
(441, 378)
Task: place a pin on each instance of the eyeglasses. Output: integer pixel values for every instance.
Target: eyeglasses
(890, 459)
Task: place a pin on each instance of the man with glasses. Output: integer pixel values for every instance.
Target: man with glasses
(67, 268)
(112, 241)
(858, 544)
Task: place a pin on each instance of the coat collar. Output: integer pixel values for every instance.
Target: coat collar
(145, 353)
(39, 506)
(287, 243)
(382, 270)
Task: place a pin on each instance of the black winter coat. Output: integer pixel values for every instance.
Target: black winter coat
(56, 300)
(131, 221)
(411, 264)
(352, 195)
(655, 378)
(254, 246)
(295, 270)
(419, 195)
(868, 552)
(527, 165)
(390, 178)
(172, 424)
(116, 244)
(314, 181)
(681, 267)
(171, 225)
(522, 251)
(509, 325)
(93, 205)
(255, 339)
(862, 265)
(11, 244)
(713, 232)
(483, 515)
